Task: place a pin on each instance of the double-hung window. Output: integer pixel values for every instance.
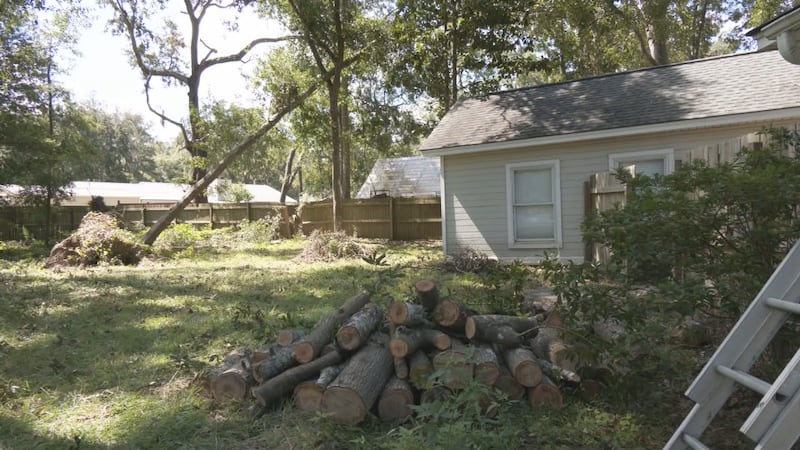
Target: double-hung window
(534, 210)
(648, 162)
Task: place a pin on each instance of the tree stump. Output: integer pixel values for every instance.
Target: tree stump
(394, 405)
(308, 394)
(358, 327)
(522, 364)
(427, 294)
(351, 395)
(309, 347)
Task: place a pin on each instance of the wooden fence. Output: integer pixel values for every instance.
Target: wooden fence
(387, 218)
(603, 191)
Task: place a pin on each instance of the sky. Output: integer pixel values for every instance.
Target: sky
(101, 72)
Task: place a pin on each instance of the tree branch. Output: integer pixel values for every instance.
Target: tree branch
(161, 115)
(238, 56)
(640, 35)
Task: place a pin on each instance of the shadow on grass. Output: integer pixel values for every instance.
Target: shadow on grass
(15, 434)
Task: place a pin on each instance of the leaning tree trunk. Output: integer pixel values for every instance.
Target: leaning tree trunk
(308, 348)
(395, 402)
(349, 398)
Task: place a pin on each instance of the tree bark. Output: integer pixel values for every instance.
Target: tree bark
(289, 336)
(308, 394)
(509, 331)
(358, 327)
(545, 393)
(277, 362)
(401, 368)
(309, 347)
(419, 370)
(457, 371)
(409, 314)
(451, 315)
(522, 364)
(508, 385)
(282, 385)
(406, 341)
(487, 365)
(349, 398)
(395, 402)
(427, 294)
(549, 346)
(233, 378)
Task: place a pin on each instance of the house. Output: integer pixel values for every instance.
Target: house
(415, 176)
(514, 163)
(782, 33)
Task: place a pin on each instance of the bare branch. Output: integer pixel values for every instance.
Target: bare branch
(238, 56)
(161, 115)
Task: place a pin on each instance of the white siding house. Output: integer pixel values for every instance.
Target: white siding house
(514, 163)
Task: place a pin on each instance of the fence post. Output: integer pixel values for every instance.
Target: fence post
(144, 214)
(211, 214)
(391, 218)
(249, 213)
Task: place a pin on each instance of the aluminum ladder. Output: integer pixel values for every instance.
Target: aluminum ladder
(775, 421)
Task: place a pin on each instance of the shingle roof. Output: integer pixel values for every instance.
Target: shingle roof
(413, 176)
(706, 88)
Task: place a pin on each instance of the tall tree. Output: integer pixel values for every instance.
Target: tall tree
(178, 60)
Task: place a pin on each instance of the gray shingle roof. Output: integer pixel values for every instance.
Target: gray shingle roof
(706, 88)
(414, 176)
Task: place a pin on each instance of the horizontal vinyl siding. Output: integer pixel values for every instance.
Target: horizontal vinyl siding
(475, 188)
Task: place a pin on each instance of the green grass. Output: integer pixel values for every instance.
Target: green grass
(107, 357)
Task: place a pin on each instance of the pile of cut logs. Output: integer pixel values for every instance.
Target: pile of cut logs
(351, 359)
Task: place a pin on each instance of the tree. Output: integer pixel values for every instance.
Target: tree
(161, 56)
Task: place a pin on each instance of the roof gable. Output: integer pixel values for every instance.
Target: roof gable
(702, 89)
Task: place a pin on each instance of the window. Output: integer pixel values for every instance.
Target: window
(648, 162)
(534, 210)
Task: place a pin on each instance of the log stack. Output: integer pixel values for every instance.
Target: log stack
(353, 362)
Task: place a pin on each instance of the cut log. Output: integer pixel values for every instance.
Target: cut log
(522, 364)
(509, 331)
(409, 314)
(263, 354)
(395, 402)
(308, 394)
(449, 314)
(508, 385)
(277, 387)
(405, 341)
(353, 393)
(545, 393)
(279, 361)
(549, 346)
(427, 294)
(456, 370)
(558, 373)
(487, 365)
(419, 370)
(358, 327)
(435, 394)
(233, 378)
(289, 336)
(401, 368)
(309, 347)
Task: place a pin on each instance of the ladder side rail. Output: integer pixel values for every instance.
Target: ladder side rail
(785, 387)
(784, 432)
(701, 415)
(754, 330)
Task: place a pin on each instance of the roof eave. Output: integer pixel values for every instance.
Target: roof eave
(771, 30)
(681, 125)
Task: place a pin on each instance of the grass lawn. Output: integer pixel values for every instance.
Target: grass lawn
(108, 357)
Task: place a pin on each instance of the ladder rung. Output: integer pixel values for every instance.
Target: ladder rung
(745, 379)
(692, 442)
(783, 305)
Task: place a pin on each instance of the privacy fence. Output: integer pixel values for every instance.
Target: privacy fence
(384, 218)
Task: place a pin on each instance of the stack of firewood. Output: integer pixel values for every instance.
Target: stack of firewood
(351, 359)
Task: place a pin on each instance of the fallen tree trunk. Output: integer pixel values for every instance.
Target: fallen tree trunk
(405, 341)
(308, 394)
(427, 294)
(409, 314)
(545, 393)
(309, 347)
(508, 385)
(395, 402)
(487, 365)
(281, 385)
(457, 371)
(419, 370)
(509, 331)
(358, 327)
(233, 378)
(351, 395)
(289, 336)
(522, 364)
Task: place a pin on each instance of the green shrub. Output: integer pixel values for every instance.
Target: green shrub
(181, 236)
(247, 234)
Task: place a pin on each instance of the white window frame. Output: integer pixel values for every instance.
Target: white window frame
(667, 154)
(555, 170)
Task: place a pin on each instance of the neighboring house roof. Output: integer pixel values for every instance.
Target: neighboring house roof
(414, 176)
(707, 92)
